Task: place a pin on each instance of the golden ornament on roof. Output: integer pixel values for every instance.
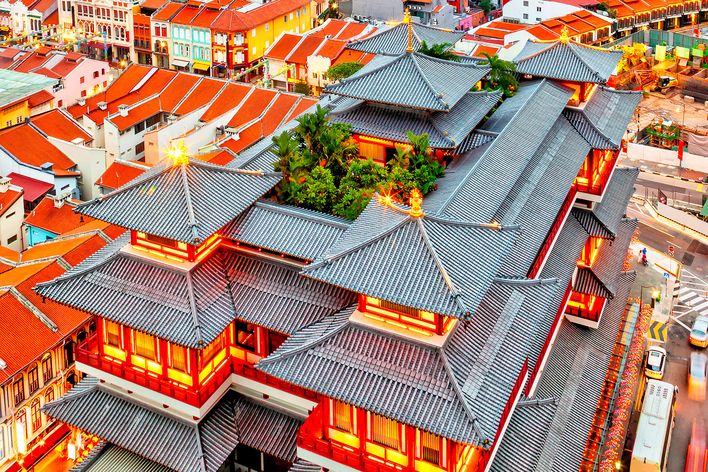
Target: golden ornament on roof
(178, 153)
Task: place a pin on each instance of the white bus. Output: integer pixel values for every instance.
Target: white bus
(656, 422)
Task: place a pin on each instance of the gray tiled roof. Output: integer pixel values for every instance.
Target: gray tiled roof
(535, 200)
(604, 119)
(567, 61)
(110, 458)
(438, 264)
(478, 195)
(185, 203)
(604, 219)
(165, 439)
(302, 465)
(192, 308)
(548, 433)
(587, 282)
(563, 259)
(445, 129)
(290, 230)
(172, 442)
(412, 80)
(394, 41)
(458, 390)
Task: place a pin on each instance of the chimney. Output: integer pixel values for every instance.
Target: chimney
(81, 101)
(102, 105)
(123, 110)
(4, 184)
(61, 199)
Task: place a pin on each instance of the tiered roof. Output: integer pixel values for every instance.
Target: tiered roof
(393, 41)
(432, 269)
(603, 119)
(185, 202)
(565, 59)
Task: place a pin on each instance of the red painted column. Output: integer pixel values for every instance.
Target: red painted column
(164, 356)
(194, 364)
(410, 447)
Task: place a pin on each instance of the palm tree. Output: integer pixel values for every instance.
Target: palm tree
(502, 75)
(286, 148)
(440, 50)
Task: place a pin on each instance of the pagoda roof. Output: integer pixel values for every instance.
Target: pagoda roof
(605, 117)
(105, 457)
(549, 432)
(192, 307)
(290, 230)
(458, 390)
(394, 41)
(440, 265)
(567, 60)
(478, 193)
(444, 129)
(602, 277)
(171, 441)
(186, 202)
(604, 219)
(412, 80)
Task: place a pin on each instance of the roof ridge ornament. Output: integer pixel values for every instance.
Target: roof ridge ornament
(409, 22)
(178, 154)
(564, 37)
(416, 201)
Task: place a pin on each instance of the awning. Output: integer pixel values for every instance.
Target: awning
(180, 63)
(33, 188)
(201, 66)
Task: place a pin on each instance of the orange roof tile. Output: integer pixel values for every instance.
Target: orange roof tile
(19, 274)
(96, 225)
(168, 11)
(246, 137)
(541, 32)
(68, 63)
(52, 19)
(283, 46)
(7, 198)
(185, 15)
(8, 255)
(55, 220)
(81, 252)
(275, 114)
(490, 33)
(332, 48)
(137, 114)
(202, 94)
(30, 147)
(304, 49)
(351, 31)
(219, 157)
(332, 27)
(57, 124)
(53, 248)
(5, 267)
(491, 50)
(302, 105)
(506, 26)
(230, 97)
(177, 90)
(153, 4)
(350, 55)
(234, 20)
(594, 20)
(252, 107)
(205, 17)
(119, 174)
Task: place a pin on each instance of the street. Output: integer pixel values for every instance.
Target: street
(691, 298)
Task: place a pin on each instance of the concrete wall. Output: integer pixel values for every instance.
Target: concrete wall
(72, 82)
(667, 156)
(90, 161)
(11, 223)
(387, 10)
(549, 9)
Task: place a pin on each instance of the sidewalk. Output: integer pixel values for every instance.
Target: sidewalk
(665, 170)
(659, 277)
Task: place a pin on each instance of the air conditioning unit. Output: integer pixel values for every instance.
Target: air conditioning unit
(102, 105)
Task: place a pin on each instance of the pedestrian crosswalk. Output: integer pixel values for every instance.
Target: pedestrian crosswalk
(692, 295)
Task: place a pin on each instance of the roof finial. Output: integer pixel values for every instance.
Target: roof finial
(564, 35)
(178, 153)
(407, 20)
(416, 202)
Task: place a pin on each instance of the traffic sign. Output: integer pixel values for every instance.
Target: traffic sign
(666, 275)
(671, 251)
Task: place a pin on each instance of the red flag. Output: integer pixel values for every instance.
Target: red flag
(681, 144)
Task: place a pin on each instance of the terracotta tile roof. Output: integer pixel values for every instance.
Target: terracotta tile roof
(137, 114)
(594, 20)
(332, 27)
(167, 11)
(118, 174)
(10, 53)
(302, 105)
(350, 55)
(8, 255)
(30, 62)
(55, 220)
(5, 267)
(491, 50)
(205, 17)
(21, 273)
(68, 64)
(153, 4)
(246, 137)
(234, 20)
(506, 26)
(57, 124)
(543, 33)
(275, 114)
(252, 107)
(185, 15)
(30, 147)
(108, 229)
(231, 96)
(490, 33)
(576, 24)
(47, 73)
(7, 199)
(353, 31)
(331, 48)
(177, 90)
(220, 157)
(304, 49)
(283, 47)
(202, 94)
(54, 248)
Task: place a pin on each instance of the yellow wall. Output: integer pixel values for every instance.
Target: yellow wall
(264, 38)
(10, 115)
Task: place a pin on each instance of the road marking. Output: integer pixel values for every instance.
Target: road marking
(685, 296)
(680, 323)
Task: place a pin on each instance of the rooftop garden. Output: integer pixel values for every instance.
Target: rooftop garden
(322, 169)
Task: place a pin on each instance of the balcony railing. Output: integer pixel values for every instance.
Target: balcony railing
(553, 232)
(87, 353)
(590, 315)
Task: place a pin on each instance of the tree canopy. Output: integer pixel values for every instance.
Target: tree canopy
(343, 70)
(502, 75)
(322, 169)
(439, 50)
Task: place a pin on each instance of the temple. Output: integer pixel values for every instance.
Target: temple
(452, 332)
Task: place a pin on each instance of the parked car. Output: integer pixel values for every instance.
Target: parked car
(655, 362)
(697, 454)
(697, 376)
(699, 332)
